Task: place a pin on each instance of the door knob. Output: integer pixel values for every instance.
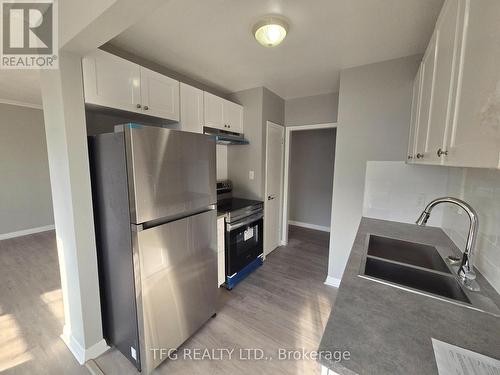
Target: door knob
(146, 107)
(138, 106)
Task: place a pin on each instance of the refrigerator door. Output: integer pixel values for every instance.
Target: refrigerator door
(170, 173)
(176, 283)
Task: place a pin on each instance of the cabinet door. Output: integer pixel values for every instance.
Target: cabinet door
(233, 116)
(443, 91)
(475, 133)
(191, 109)
(213, 111)
(160, 95)
(426, 94)
(415, 102)
(111, 81)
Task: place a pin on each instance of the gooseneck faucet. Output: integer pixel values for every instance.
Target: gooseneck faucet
(466, 271)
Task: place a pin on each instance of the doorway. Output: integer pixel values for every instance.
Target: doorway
(273, 186)
(308, 178)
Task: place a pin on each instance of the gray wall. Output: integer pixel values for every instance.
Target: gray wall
(374, 118)
(260, 105)
(317, 109)
(312, 157)
(25, 194)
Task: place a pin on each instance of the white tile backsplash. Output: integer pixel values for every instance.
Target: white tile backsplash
(399, 192)
(481, 189)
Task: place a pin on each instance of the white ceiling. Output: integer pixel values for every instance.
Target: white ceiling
(211, 40)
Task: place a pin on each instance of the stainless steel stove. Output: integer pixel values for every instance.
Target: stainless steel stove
(244, 233)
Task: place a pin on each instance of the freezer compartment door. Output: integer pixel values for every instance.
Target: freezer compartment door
(178, 282)
(170, 172)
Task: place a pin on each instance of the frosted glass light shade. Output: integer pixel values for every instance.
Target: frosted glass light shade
(270, 32)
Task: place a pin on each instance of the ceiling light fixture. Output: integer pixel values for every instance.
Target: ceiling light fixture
(270, 31)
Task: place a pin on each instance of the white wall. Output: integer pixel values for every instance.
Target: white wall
(374, 117)
(399, 192)
(312, 157)
(481, 189)
(317, 109)
(24, 170)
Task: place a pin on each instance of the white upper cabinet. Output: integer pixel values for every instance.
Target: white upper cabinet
(425, 107)
(192, 110)
(233, 116)
(458, 95)
(160, 95)
(111, 81)
(214, 111)
(223, 114)
(443, 91)
(474, 139)
(414, 116)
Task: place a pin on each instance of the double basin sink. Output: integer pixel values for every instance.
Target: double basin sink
(412, 265)
(421, 269)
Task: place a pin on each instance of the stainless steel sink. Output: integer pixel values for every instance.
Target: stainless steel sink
(430, 282)
(414, 254)
(421, 269)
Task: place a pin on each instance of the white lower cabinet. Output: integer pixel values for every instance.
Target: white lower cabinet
(221, 255)
(456, 103)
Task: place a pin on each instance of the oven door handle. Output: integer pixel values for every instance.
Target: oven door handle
(249, 220)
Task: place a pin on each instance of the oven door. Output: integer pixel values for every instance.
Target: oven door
(244, 242)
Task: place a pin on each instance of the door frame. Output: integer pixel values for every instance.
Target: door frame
(280, 214)
(286, 191)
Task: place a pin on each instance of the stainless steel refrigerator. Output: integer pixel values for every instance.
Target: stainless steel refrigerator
(154, 194)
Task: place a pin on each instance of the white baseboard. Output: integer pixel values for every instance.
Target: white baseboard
(25, 232)
(309, 226)
(332, 281)
(83, 355)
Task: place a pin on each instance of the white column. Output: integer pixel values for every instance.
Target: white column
(65, 128)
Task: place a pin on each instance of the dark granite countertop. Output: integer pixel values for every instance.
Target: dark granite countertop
(388, 330)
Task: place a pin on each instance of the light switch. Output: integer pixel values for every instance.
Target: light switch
(251, 175)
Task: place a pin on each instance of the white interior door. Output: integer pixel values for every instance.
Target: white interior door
(274, 186)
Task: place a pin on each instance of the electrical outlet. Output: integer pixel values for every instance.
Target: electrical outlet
(251, 175)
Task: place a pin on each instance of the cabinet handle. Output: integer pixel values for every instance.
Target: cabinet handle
(225, 125)
(138, 106)
(441, 153)
(420, 156)
(146, 107)
(410, 157)
(229, 126)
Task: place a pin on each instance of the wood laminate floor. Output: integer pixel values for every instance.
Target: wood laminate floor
(283, 305)
(31, 309)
